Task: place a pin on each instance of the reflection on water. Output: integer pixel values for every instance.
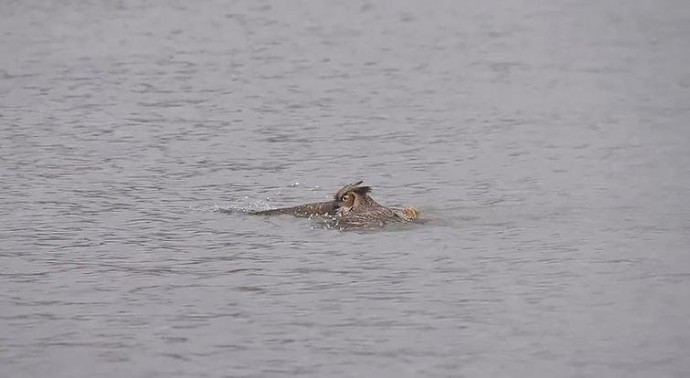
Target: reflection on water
(545, 143)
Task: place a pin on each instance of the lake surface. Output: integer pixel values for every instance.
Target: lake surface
(546, 143)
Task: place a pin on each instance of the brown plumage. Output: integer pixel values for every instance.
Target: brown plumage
(306, 211)
(351, 207)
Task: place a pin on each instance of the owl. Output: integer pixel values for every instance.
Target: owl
(351, 207)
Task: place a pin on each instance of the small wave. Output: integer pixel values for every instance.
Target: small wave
(243, 205)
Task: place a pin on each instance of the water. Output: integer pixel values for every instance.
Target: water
(546, 142)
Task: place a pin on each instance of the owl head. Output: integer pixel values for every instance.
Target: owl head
(352, 197)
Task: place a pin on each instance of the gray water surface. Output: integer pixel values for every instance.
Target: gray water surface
(547, 143)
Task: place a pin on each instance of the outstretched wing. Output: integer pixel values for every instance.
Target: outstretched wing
(306, 210)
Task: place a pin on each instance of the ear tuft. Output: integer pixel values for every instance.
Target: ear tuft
(362, 189)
